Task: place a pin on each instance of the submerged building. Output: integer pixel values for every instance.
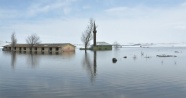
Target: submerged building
(42, 48)
(101, 46)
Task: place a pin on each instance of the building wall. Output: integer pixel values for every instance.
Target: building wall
(68, 48)
(54, 50)
(27, 49)
(102, 47)
(16, 49)
(6, 48)
(23, 49)
(47, 50)
(39, 49)
(50, 50)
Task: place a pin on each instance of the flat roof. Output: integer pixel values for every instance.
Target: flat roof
(42, 45)
(102, 43)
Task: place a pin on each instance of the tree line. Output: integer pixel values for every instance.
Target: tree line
(31, 40)
(86, 37)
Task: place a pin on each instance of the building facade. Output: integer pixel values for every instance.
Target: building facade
(42, 48)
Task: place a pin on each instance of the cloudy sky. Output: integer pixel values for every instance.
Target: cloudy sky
(124, 21)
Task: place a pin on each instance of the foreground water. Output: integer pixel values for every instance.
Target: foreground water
(94, 75)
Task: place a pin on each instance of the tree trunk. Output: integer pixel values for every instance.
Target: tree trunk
(85, 48)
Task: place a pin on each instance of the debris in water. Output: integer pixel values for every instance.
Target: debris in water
(114, 60)
(164, 55)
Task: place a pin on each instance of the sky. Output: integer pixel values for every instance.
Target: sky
(124, 21)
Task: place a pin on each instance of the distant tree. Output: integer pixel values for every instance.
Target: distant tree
(33, 40)
(13, 41)
(87, 34)
(116, 45)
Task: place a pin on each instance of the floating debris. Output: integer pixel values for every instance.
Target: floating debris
(164, 55)
(148, 57)
(114, 60)
(125, 57)
(175, 62)
(176, 51)
(142, 53)
(134, 57)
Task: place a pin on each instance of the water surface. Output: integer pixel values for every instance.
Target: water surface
(94, 75)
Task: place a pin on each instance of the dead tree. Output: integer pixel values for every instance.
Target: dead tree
(116, 45)
(33, 40)
(87, 34)
(13, 41)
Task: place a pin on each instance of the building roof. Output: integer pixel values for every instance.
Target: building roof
(102, 43)
(42, 45)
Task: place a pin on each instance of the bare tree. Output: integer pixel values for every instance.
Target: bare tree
(116, 45)
(87, 34)
(13, 41)
(33, 40)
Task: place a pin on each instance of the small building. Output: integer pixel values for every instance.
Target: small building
(42, 48)
(101, 46)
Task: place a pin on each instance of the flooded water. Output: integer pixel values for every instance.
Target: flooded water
(94, 75)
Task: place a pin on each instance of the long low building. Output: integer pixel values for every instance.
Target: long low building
(42, 48)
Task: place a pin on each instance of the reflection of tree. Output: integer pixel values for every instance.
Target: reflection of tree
(134, 57)
(90, 68)
(13, 59)
(33, 60)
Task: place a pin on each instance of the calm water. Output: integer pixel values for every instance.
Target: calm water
(76, 75)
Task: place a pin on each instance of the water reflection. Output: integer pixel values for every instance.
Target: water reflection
(63, 78)
(134, 57)
(13, 59)
(67, 54)
(95, 62)
(33, 60)
(89, 66)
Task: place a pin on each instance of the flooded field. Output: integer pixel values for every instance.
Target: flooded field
(141, 74)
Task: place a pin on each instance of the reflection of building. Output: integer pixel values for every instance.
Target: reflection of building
(68, 54)
(99, 45)
(43, 48)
